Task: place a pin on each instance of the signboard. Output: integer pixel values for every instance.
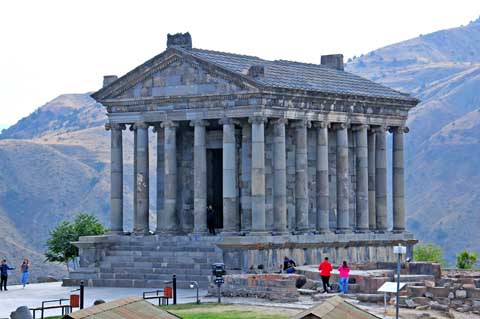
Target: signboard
(391, 287)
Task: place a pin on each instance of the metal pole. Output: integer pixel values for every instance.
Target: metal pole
(198, 300)
(174, 288)
(398, 285)
(82, 293)
(219, 294)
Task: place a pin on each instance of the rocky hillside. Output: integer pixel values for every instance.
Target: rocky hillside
(443, 146)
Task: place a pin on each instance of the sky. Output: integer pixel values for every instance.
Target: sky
(48, 48)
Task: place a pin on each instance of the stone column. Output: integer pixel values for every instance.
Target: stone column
(343, 224)
(141, 226)
(323, 197)
(199, 177)
(361, 151)
(246, 178)
(116, 177)
(135, 211)
(381, 178)
(168, 218)
(398, 179)
(279, 177)
(301, 176)
(258, 174)
(160, 173)
(372, 220)
(230, 189)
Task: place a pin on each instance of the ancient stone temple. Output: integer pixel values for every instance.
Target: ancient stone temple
(292, 157)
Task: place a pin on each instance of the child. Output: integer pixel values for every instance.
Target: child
(4, 274)
(24, 270)
(344, 272)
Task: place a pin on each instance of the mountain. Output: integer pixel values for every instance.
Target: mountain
(442, 69)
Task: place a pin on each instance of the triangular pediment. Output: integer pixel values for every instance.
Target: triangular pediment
(173, 75)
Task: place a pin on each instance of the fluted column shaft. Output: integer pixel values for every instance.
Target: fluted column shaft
(279, 177)
(343, 224)
(362, 178)
(323, 198)
(168, 218)
(301, 176)
(230, 215)
(258, 174)
(381, 179)
(116, 175)
(372, 218)
(160, 173)
(142, 180)
(246, 177)
(199, 177)
(398, 180)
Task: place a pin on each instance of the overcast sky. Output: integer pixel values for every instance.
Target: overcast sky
(48, 48)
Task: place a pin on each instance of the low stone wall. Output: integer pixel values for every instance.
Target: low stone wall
(277, 287)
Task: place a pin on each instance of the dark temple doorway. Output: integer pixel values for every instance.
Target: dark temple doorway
(215, 184)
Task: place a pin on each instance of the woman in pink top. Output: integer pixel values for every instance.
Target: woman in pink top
(344, 272)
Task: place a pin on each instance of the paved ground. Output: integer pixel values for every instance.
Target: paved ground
(33, 295)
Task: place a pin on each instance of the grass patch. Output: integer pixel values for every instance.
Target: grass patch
(223, 311)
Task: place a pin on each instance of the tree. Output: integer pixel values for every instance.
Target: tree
(428, 252)
(466, 260)
(59, 245)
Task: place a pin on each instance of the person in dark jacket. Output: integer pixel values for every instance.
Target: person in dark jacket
(288, 265)
(211, 220)
(4, 268)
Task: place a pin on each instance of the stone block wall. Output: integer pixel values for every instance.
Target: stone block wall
(278, 287)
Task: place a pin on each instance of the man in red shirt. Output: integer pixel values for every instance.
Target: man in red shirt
(325, 268)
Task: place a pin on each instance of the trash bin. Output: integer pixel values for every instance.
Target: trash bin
(168, 292)
(75, 301)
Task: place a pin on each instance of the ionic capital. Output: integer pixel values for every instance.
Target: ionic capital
(168, 124)
(257, 119)
(399, 129)
(321, 124)
(379, 129)
(360, 127)
(199, 123)
(279, 121)
(140, 125)
(339, 126)
(302, 124)
(228, 121)
(114, 126)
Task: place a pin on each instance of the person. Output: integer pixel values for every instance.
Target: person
(288, 265)
(325, 269)
(4, 268)
(211, 220)
(24, 270)
(344, 273)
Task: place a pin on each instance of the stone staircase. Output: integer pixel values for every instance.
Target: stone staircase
(146, 262)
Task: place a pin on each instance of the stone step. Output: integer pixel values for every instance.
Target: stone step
(414, 278)
(137, 283)
(114, 264)
(151, 276)
(143, 271)
(177, 260)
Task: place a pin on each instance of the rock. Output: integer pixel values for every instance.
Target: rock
(21, 313)
(98, 302)
(43, 279)
(428, 294)
(410, 303)
(416, 291)
(477, 283)
(421, 300)
(450, 314)
(306, 291)
(371, 297)
(424, 307)
(436, 306)
(310, 284)
(429, 283)
(301, 281)
(460, 294)
(451, 295)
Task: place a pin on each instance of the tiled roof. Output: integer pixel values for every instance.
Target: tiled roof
(335, 308)
(299, 76)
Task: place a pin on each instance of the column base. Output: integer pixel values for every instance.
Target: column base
(167, 232)
(259, 233)
(230, 233)
(362, 231)
(380, 231)
(116, 232)
(398, 231)
(323, 232)
(343, 231)
(280, 232)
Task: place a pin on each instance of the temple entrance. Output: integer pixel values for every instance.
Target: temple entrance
(215, 184)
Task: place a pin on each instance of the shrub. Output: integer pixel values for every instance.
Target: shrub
(466, 260)
(428, 252)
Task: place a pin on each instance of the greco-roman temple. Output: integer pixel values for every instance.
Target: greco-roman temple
(292, 157)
